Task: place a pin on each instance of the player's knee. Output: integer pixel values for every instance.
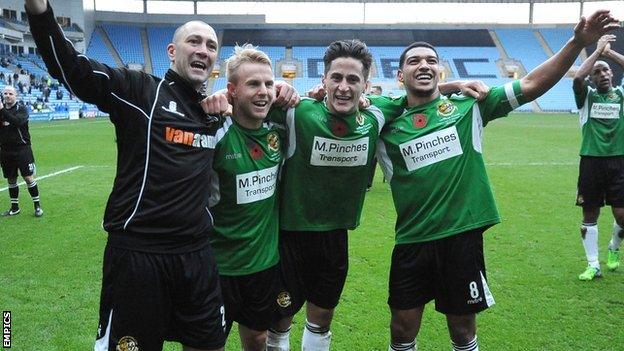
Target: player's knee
(402, 328)
(462, 329)
(255, 341)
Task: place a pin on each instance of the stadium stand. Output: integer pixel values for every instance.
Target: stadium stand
(159, 37)
(127, 42)
(98, 50)
(557, 37)
(522, 45)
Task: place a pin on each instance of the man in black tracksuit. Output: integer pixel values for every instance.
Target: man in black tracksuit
(159, 276)
(16, 152)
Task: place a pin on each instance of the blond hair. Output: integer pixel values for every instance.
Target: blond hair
(246, 53)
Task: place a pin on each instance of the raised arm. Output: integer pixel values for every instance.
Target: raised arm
(613, 55)
(587, 66)
(85, 78)
(36, 7)
(546, 75)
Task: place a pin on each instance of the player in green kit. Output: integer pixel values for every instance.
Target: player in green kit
(601, 170)
(248, 156)
(432, 157)
(330, 150)
(330, 147)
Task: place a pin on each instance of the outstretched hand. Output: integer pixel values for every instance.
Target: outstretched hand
(591, 29)
(604, 43)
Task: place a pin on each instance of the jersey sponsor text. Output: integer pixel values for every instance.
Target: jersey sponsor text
(255, 186)
(179, 136)
(605, 111)
(431, 148)
(339, 153)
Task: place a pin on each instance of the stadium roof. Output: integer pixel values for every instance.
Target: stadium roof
(404, 1)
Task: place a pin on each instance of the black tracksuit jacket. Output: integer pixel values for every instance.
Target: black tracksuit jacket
(165, 146)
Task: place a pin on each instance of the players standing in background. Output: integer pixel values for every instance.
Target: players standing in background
(432, 157)
(601, 170)
(16, 151)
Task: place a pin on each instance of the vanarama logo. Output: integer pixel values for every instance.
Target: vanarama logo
(446, 108)
(273, 141)
(178, 136)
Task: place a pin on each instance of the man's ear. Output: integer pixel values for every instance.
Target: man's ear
(171, 52)
(231, 89)
(400, 76)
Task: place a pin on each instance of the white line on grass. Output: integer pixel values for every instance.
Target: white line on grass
(532, 164)
(71, 169)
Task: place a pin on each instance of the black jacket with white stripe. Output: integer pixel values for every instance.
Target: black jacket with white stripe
(14, 127)
(165, 146)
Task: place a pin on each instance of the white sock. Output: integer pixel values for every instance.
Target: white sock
(470, 346)
(403, 346)
(589, 233)
(616, 239)
(315, 338)
(278, 341)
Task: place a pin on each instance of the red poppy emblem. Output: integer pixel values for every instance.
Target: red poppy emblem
(419, 120)
(256, 152)
(339, 128)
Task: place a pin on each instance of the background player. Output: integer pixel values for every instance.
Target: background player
(16, 151)
(601, 170)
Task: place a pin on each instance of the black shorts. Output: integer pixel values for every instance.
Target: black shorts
(15, 158)
(255, 300)
(315, 266)
(600, 181)
(450, 271)
(148, 298)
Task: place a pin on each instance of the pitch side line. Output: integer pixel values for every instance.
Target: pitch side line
(532, 164)
(71, 169)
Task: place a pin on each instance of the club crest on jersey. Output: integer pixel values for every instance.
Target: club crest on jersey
(283, 299)
(127, 343)
(613, 97)
(359, 119)
(338, 127)
(273, 141)
(446, 108)
(419, 120)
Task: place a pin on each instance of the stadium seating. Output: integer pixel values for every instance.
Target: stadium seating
(98, 50)
(522, 45)
(159, 38)
(557, 37)
(127, 41)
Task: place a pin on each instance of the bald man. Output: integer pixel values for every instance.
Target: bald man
(159, 275)
(16, 152)
(601, 171)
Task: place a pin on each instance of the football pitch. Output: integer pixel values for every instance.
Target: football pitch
(50, 267)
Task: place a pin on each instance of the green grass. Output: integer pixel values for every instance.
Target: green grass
(50, 268)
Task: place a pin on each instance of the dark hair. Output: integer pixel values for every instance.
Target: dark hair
(417, 44)
(351, 49)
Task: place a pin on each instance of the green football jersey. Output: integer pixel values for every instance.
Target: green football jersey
(243, 198)
(602, 122)
(326, 169)
(432, 157)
